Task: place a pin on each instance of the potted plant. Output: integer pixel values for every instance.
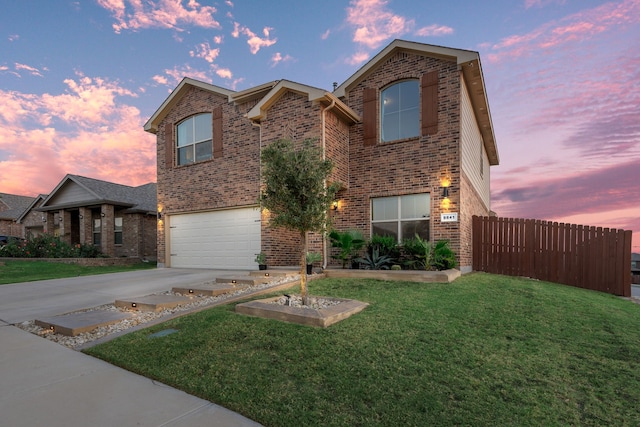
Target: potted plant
(261, 259)
(312, 257)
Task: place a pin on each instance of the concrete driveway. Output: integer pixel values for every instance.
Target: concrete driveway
(26, 301)
(43, 383)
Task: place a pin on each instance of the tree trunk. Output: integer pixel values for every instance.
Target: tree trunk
(303, 269)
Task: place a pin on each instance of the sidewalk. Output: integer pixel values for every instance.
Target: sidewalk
(45, 384)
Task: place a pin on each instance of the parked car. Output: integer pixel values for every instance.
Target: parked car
(6, 239)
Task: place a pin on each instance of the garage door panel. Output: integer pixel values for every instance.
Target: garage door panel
(221, 239)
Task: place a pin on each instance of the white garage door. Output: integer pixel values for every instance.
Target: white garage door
(227, 239)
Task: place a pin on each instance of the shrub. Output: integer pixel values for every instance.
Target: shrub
(421, 254)
(48, 246)
(375, 261)
(385, 245)
(349, 243)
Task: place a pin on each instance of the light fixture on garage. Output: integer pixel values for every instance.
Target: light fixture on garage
(103, 214)
(159, 215)
(266, 274)
(190, 291)
(334, 205)
(134, 305)
(234, 282)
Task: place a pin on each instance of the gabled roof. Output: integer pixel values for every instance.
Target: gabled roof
(36, 202)
(12, 206)
(259, 111)
(468, 62)
(152, 124)
(76, 191)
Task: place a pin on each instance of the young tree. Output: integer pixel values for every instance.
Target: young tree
(296, 193)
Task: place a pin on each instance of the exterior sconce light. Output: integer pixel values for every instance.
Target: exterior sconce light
(445, 192)
(334, 205)
(103, 215)
(44, 219)
(159, 215)
(80, 216)
(60, 218)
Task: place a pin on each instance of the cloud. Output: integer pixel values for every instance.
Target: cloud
(13, 37)
(325, 35)
(278, 58)
(31, 70)
(135, 14)
(204, 51)
(173, 76)
(225, 73)
(357, 58)
(541, 3)
(593, 191)
(573, 28)
(434, 31)
(255, 43)
(88, 130)
(374, 24)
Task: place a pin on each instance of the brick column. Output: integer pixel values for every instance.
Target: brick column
(49, 225)
(86, 226)
(64, 220)
(107, 230)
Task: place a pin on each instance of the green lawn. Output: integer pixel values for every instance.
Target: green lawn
(28, 271)
(485, 350)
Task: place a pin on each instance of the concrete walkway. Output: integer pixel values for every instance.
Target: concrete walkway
(45, 384)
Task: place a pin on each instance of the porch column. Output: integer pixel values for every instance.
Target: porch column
(49, 224)
(107, 244)
(86, 226)
(64, 220)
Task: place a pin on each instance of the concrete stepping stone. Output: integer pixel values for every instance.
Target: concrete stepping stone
(77, 323)
(208, 289)
(152, 302)
(242, 280)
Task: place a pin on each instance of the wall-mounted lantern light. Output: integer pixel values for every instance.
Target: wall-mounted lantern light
(334, 205)
(445, 192)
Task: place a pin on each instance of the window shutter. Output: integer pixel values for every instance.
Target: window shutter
(429, 83)
(370, 116)
(169, 145)
(217, 131)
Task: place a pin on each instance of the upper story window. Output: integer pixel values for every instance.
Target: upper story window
(194, 139)
(400, 111)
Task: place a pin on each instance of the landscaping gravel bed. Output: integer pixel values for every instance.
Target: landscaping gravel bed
(140, 317)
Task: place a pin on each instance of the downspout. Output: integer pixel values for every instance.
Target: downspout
(325, 250)
(259, 126)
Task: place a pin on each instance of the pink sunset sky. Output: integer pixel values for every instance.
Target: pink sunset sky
(79, 79)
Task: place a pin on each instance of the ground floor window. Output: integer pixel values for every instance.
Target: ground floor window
(117, 229)
(401, 216)
(97, 225)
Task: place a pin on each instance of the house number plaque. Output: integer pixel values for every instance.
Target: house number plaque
(449, 217)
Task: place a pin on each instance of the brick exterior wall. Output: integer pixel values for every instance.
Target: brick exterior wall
(222, 182)
(411, 166)
(415, 165)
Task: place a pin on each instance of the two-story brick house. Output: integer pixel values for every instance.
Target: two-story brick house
(410, 135)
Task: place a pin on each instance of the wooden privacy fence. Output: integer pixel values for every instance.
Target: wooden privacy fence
(593, 258)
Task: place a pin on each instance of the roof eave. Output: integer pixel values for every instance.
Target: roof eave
(152, 124)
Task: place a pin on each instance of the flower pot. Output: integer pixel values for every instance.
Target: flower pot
(262, 266)
(309, 268)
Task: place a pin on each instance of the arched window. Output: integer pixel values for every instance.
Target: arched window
(400, 111)
(194, 139)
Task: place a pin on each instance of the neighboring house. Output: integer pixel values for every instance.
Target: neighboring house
(31, 220)
(121, 220)
(11, 207)
(635, 267)
(410, 135)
